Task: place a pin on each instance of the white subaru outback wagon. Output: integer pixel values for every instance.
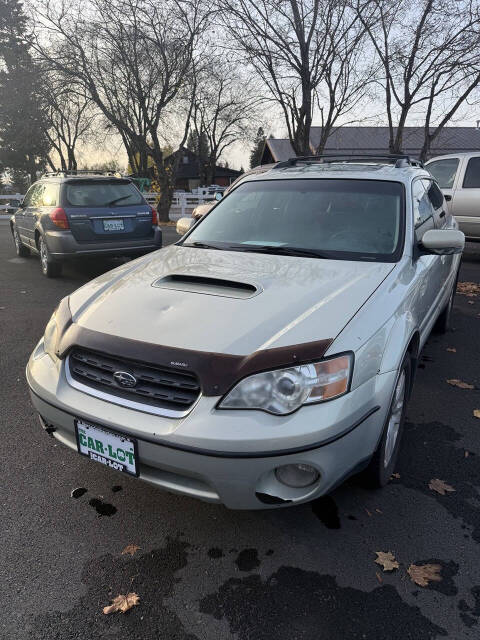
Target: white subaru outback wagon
(270, 353)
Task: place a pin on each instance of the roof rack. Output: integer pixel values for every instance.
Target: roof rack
(399, 160)
(81, 172)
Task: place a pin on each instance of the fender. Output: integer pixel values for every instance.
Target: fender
(398, 342)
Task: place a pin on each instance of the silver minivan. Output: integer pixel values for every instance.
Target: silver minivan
(458, 175)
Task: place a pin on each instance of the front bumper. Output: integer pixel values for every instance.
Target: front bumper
(62, 244)
(228, 457)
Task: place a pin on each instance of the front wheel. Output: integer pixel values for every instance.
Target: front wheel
(50, 269)
(382, 464)
(20, 248)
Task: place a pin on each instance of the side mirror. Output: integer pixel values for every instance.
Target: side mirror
(184, 225)
(443, 241)
(218, 195)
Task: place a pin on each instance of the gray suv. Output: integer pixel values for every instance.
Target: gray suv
(64, 216)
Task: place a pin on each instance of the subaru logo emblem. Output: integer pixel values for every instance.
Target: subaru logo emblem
(124, 379)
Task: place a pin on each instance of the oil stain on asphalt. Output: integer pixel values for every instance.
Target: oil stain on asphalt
(152, 576)
(102, 508)
(247, 560)
(294, 604)
(434, 455)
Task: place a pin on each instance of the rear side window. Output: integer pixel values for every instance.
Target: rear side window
(101, 194)
(444, 171)
(49, 196)
(472, 174)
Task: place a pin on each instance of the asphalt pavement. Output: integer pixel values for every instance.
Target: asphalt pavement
(203, 572)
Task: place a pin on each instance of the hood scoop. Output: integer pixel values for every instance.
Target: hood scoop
(208, 286)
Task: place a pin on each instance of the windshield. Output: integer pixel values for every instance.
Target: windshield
(346, 219)
(102, 194)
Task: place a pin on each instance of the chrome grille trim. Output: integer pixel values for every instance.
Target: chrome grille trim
(166, 412)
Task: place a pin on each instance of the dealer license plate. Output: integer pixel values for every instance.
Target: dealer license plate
(114, 450)
(113, 225)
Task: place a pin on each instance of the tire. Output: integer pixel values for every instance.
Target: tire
(383, 461)
(20, 248)
(443, 323)
(50, 269)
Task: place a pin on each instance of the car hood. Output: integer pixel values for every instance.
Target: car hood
(226, 301)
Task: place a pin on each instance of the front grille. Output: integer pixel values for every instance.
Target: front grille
(155, 386)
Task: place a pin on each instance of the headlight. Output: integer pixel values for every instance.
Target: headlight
(50, 336)
(285, 390)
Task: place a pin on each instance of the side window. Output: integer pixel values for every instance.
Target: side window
(444, 171)
(28, 197)
(36, 197)
(472, 174)
(422, 207)
(435, 195)
(49, 196)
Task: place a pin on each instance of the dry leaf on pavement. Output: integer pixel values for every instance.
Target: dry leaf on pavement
(440, 486)
(387, 560)
(122, 603)
(452, 349)
(425, 573)
(459, 383)
(395, 475)
(476, 413)
(468, 289)
(130, 548)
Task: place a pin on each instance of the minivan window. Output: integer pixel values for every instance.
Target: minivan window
(472, 174)
(444, 171)
(345, 219)
(101, 193)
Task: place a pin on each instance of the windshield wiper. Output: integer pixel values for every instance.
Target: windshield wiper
(200, 245)
(118, 200)
(279, 250)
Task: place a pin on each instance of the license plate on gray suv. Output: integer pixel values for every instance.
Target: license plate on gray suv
(113, 225)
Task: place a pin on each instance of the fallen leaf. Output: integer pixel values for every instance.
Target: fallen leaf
(425, 573)
(476, 413)
(467, 453)
(468, 289)
(440, 486)
(471, 302)
(368, 512)
(387, 560)
(378, 510)
(130, 548)
(122, 603)
(395, 475)
(452, 349)
(379, 577)
(459, 383)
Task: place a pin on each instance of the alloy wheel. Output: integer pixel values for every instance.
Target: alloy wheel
(395, 418)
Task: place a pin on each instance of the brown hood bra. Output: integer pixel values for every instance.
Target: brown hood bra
(217, 372)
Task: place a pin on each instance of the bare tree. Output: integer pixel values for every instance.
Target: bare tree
(224, 108)
(301, 49)
(430, 53)
(71, 117)
(134, 58)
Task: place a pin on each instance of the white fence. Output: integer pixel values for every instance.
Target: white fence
(183, 203)
(4, 200)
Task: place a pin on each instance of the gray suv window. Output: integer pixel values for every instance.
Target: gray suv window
(472, 174)
(422, 206)
(49, 195)
(444, 171)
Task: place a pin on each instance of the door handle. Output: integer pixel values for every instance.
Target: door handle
(442, 214)
(448, 197)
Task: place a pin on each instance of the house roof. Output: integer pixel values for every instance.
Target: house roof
(375, 140)
(190, 169)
